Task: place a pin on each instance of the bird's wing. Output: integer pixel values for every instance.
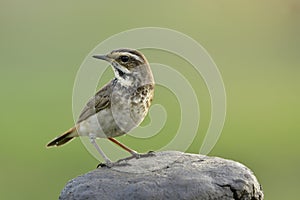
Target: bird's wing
(100, 101)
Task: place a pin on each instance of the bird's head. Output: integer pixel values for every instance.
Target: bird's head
(127, 63)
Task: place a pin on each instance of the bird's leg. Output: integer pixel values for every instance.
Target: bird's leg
(92, 137)
(133, 153)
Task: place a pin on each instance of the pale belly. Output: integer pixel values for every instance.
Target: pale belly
(101, 124)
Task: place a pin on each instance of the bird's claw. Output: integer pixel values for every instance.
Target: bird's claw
(118, 163)
(111, 164)
(137, 156)
(101, 165)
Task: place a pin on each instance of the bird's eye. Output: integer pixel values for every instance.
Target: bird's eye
(124, 59)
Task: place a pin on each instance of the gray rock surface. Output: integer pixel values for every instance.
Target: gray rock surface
(167, 175)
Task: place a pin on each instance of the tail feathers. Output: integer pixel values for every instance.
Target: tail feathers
(64, 138)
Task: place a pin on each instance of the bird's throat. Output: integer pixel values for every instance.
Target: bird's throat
(122, 78)
(121, 73)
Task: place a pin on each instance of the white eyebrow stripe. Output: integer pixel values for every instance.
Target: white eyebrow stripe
(136, 57)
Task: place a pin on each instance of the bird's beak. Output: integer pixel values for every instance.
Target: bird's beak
(102, 57)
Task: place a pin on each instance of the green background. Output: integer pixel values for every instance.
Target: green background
(255, 44)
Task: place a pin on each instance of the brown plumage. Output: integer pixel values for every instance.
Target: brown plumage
(120, 105)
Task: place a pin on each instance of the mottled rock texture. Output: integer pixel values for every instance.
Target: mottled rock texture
(167, 175)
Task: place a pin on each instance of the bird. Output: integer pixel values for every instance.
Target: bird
(119, 106)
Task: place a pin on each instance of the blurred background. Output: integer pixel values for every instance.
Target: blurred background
(255, 44)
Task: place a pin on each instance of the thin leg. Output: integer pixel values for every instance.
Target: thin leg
(132, 152)
(93, 141)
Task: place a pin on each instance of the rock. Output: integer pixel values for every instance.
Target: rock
(167, 175)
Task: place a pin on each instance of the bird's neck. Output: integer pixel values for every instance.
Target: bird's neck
(125, 81)
(133, 81)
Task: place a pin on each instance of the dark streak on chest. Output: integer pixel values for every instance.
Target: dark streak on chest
(141, 99)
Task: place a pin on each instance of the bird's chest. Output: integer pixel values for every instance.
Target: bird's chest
(129, 105)
(140, 101)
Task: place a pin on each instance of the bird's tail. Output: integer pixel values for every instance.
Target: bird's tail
(64, 138)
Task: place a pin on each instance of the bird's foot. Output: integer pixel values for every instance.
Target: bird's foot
(143, 155)
(137, 156)
(121, 161)
(100, 165)
(112, 164)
